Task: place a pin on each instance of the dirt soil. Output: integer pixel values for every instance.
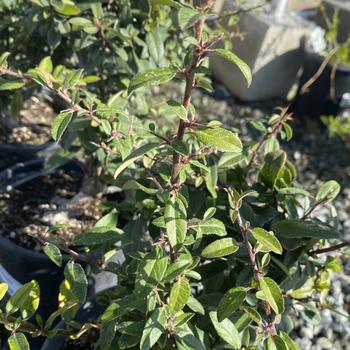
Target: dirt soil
(33, 207)
(33, 125)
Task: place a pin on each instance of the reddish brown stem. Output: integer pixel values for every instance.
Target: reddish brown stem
(270, 327)
(330, 249)
(190, 82)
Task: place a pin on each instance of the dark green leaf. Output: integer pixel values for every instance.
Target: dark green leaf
(272, 169)
(230, 302)
(294, 228)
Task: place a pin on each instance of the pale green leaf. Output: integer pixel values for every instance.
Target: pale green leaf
(151, 77)
(134, 156)
(154, 328)
(11, 85)
(267, 239)
(178, 109)
(53, 253)
(226, 330)
(176, 221)
(328, 191)
(60, 125)
(18, 341)
(219, 248)
(220, 139)
(272, 294)
(77, 280)
(243, 67)
(179, 294)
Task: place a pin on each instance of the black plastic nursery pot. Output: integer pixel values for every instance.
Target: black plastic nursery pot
(317, 100)
(12, 153)
(19, 265)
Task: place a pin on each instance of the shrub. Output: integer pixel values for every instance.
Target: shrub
(219, 243)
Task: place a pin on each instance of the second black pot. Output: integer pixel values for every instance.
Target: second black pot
(317, 100)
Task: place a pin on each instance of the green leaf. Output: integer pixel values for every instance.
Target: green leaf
(230, 302)
(151, 77)
(73, 78)
(77, 280)
(134, 156)
(272, 169)
(3, 290)
(220, 139)
(226, 330)
(195, 305)
(291, 344)
(108, 220)
(294, 228)
(98, 235)
(26, 299)
(293, 191)
(267, 239)
(272, 294)
(187, 17)
(179, 294)
(18, 341)
(154, 328)
(11, 85)
(66, 8)
(178, 109)
(186, 340)
(176, 268)
(133, 185)
(328, 191)
(243, 67)
(219, 248)
(275, 343)
(170, 3)
(176, 221)
(210, 227)
(80, 21)
(53, 253)
(60, 125)
(3, 59)
(46, 64)
(209, 213)
(149, 273)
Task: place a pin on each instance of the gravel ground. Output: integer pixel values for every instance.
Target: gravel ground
(318, 158)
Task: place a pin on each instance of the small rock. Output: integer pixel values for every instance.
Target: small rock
(324, 343)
